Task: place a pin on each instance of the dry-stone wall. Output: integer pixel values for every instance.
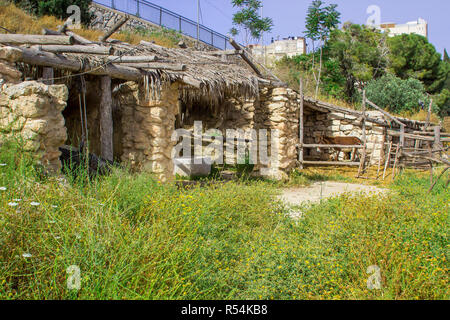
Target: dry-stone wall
(147, 126)
(32, 111)
(335, 124)
(278, 112)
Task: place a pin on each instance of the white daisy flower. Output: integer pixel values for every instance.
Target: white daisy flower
(27, 255)
(53, 206)
(2, 188)
(2, 164)
(13, 204)
(35, 204)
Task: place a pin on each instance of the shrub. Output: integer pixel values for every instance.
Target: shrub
(397, 95)
(56, 8)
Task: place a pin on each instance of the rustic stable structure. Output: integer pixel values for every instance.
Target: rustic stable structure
(125, 102)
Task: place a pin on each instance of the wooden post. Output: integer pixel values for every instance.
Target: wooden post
(402, 136)
(116, 27)
(428, 115)
(106, 119)
(47, 75)
(388, 160)
(301, 134)
(363, 128)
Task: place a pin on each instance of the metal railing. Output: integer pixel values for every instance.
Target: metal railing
(158, 15)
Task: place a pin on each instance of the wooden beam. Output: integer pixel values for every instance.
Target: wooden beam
(78, 39)
(387, 114)
(131, 59)
(223, 52)
(331, 163)
(330, 146)
(106, 119)
(160, 66)
(245, 57)
(100, 50)
(49, 59)
(35, 39)
(116, 27)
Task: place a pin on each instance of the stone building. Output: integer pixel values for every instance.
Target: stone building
(419, 26)
(125, 102)
(277, 49)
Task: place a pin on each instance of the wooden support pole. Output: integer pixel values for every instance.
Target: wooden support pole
(364, 139)
(427, 124)
(301, 123)
(47, 75)
(35, 39)
(388, 160)
(100, 50)
(245, 57)
(106, 119)
(116, 27)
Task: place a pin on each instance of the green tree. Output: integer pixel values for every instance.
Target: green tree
(397, 95)
(57, 8)
(446, 57)
(412, 56)
(249, 19)
(320, 20)
(361, 53)
(441, 103)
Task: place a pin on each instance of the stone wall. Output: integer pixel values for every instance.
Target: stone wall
(147, 127)
(279, 111)
(336, 124)
(105, 18)
(32, 111)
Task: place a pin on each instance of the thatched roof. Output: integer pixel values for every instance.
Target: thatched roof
(209, 75)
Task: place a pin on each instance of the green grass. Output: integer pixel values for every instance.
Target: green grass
(134, 238)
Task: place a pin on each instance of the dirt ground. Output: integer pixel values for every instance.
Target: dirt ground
(322, 190)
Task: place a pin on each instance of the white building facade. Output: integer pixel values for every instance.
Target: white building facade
(291, 46)
(420, 27)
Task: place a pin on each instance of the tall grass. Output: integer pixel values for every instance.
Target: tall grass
(135, 238)
(18, 21)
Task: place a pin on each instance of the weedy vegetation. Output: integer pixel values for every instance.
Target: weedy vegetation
(135, 238)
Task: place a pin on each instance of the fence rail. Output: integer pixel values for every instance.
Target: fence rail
(158, 15)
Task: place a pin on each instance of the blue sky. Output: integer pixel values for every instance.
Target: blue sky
(289, 15)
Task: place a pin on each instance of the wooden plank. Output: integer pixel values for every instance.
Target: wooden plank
(331, 163)
(35, 39)
(106, 119)
(222, 52)
(409, 136)
(78, 39)
(116, 27)
(329, 146)
(100, 50)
